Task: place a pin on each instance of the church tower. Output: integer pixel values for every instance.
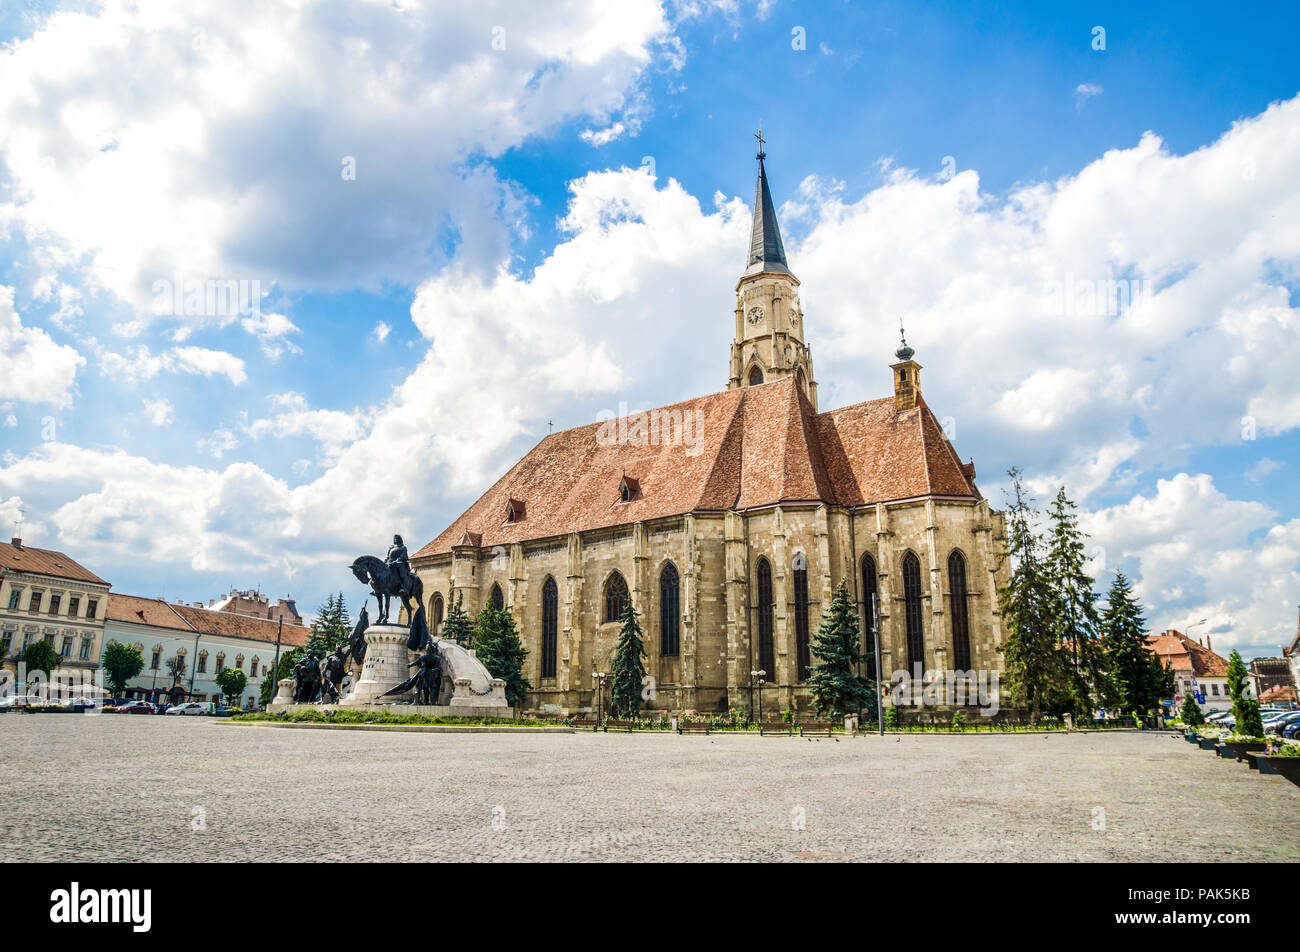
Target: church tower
(769, 342)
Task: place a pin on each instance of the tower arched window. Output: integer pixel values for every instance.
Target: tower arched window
(670, 633)
(801, 615)
(870, 611)
(766, 644)
(498, 600)
(616, 597)
(755, 376)
(550, 626)
(912, 611)
(961, 659)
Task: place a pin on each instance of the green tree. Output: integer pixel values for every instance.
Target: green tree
(836, 687)
(498, 647)
(1191, 712)
(456, 626)
(1138, 678)
(41, 656)
(331, 627)
(1079, 620)
(1037, 669)
(1245, 710)
(121, 663)
(628, 672)
(232, 682)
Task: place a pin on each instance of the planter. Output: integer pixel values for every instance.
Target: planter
(1239, 748)
(1259, 761)
(1288, 767)
(1207, 743)
(1225, 752)
(1192, 737)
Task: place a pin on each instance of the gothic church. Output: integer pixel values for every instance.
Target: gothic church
(729, 542)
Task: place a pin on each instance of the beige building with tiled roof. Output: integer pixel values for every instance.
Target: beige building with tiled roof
(44, 594)
(203, 640)
(1197, 668)
(728, 520)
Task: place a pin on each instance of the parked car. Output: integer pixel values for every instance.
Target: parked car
(1215, 716)
(188, 708)
(226, 711)
(1277, 724)
(137, 707)
(1291, 730)
(21, 700)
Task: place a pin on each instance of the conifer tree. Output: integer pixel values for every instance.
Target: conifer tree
(1245, 710)
(628, 674)
(1037, 671)
(1191, 713)
(331, 627)
(1079, 619)
(498, 647)
(836, 687)
(457, 626)
(1138, 679)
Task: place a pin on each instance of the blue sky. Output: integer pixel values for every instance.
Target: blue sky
(501, 259)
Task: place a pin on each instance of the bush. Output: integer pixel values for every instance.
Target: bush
(891, 718)
(958, 720)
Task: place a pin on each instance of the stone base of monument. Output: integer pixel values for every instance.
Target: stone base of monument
(385, 666)
(283, 696)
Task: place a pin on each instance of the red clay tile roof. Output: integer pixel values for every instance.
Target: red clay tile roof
(1283, 692)
(46, 562)
(163, 614)
(756, 446)
(1184, 654)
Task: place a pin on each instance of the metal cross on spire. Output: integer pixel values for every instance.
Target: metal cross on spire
(759, 136)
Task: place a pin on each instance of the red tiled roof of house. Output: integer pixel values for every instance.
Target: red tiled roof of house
(1184, 654)
(158, 613)
(26, 558)
(756, 446)
(1283, 692)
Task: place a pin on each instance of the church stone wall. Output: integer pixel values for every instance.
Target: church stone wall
(716, 556)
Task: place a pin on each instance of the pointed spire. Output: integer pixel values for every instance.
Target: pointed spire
(766, 253)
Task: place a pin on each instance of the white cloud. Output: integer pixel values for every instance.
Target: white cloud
(381, 331)
(33, 368)
(333, 429)
(140, 363)
(1263, 469)
(160, 411)
(1085, 91)
(272, 331)
(220, 442)
(124, 129)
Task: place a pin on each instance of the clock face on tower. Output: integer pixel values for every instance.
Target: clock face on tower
(755, 314)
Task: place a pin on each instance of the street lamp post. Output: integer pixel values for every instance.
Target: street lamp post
(598, 677)
(758, 677)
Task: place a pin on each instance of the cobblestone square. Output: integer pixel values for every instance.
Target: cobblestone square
(122, 788)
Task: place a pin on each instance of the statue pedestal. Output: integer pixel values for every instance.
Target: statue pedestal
(385, 664)
(283, 695)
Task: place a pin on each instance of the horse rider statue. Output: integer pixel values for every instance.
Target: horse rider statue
(400, 563)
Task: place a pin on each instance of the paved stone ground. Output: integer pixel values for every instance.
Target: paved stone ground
(131, 788)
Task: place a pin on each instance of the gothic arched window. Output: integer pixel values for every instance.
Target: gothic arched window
(801, 615)
(550, 626)
(870, 611)
(755, 376)
(960, 612)
(912, 605)
(435, 613)
(766, 646)
(498, 600)
(615, 597)
(669, 612)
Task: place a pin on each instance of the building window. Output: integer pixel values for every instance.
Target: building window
(55, 602)
(74, 606)
(755, 376)
(34, 605)
(66, 650)
(961, 660)
(498, 600)
(801, 616)
(86, 645)
(156, 659)
(239, 662)
(14, 595)
(670, 612)
(870, 612)
(550, 626)
(766, 644)
(6, 643)
(252, 668)
(615, 597)
(435, 613)
(1214, 689)
(221, 662)
(92, 608)
(203, 663)
(912, 611)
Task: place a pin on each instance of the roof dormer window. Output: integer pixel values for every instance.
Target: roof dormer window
(514, 511)
(628, 488)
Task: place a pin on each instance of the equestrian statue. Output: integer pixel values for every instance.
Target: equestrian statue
(389, 577)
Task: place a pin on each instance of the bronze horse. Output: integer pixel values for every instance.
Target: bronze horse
(383, 581)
